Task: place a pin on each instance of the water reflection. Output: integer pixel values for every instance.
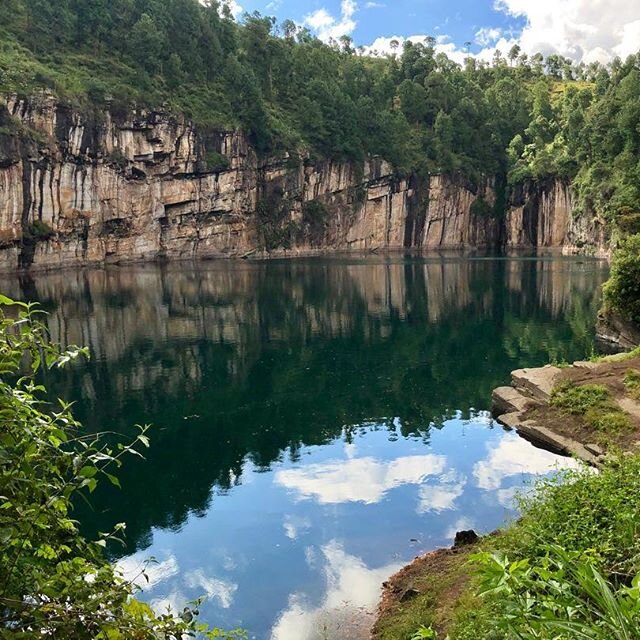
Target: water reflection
(346, 609)
(365, 480)
(307, 422)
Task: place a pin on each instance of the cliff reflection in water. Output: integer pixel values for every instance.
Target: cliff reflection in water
(237, 361)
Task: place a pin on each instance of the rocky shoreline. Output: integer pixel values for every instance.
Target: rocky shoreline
(439, 578)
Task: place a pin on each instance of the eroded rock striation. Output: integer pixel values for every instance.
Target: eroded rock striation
(103, 187)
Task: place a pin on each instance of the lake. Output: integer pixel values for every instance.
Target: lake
(316, 423)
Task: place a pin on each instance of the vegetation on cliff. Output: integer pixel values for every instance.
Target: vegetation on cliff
(526, 117)
(53, 582)
(622, 292)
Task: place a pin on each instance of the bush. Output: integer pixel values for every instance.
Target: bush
(582, 511)
(216, 162)
(622, 291)
(53, 582)
(559, 596)
(39, 230)
(628, 222)
(481, 208)
(274, 223)
(632, 383)
(315, 218)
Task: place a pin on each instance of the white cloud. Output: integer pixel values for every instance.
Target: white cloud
(507, 497)
(328, 27)
(214, 588)
(440, 497)
(352, 593)
(358, 479)
(579, 29)
(235, 9)
(514, 456)
(295, 525)
(584, 30)
(133, 567)
(374, 5)
(488, 35)
(382, 46)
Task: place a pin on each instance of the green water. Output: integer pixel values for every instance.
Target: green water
(315, 423)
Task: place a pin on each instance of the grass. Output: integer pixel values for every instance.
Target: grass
(593, 404)
(632, 383)
(618, 357)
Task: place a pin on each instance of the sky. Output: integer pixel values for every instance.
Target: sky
(584, 30)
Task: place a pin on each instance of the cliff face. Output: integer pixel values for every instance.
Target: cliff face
(543, 216)
(105, 187)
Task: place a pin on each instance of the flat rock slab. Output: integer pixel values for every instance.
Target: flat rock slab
(547, 437)
(630, 406)
(509, 400)
(587, 364)
(537, 383)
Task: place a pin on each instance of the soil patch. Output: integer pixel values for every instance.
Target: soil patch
(424, 592)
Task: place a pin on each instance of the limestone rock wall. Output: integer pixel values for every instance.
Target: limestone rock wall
(544, 216)
(450, 222)
(104, 187)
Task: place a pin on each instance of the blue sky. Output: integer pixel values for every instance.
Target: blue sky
(580, 29)
(459, 19)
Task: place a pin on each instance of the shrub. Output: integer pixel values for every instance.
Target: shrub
(559, 596)
(53, 582)
(274, 223)
(622, 291)
(628, 221)
(586, 512)
(216, 162)
(39, 230)
(117, 159)
(481, 208)
(315, 218)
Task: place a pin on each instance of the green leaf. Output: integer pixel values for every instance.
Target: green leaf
(114, 480)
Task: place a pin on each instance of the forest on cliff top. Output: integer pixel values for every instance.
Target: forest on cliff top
(521, 118)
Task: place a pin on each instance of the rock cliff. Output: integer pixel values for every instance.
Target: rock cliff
(105, 187)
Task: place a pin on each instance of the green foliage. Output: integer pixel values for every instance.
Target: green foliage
(567, 569)
(289, 91)
(578, 400)
(594, 404)
(216, 162)
(586, 512)
(38, 230)
(622, 291)
(424, 633)
(315, 218)
(274, 222)
(632, 383)
(559, 596)
(481, 208)
(53, 582)
(628, 222)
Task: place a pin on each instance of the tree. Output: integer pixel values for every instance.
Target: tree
(514, 52)
(146, 42)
